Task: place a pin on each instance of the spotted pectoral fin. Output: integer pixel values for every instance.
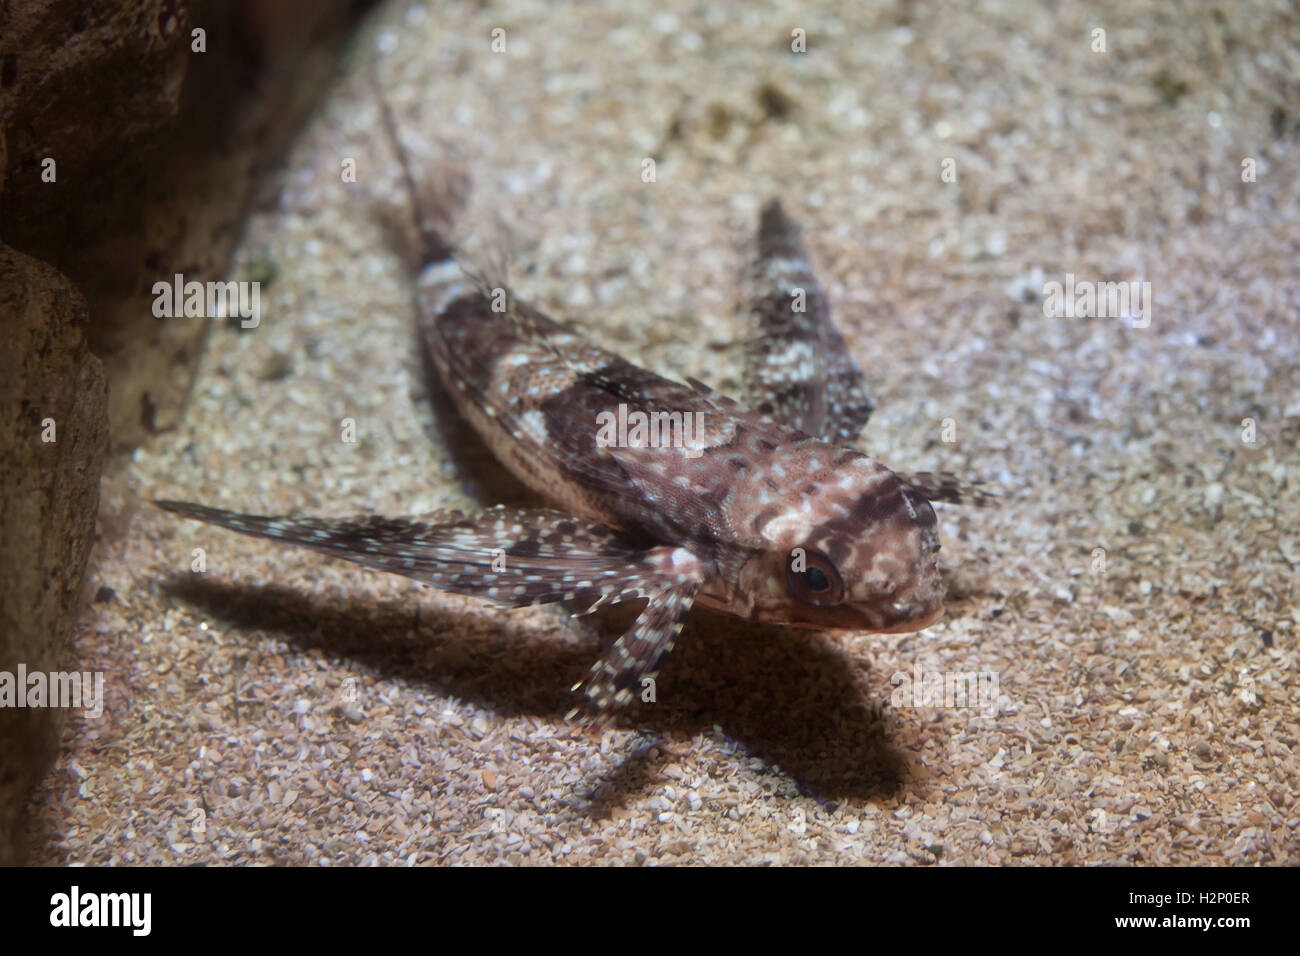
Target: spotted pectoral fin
(948, 488)
(798, 370)
(512, 556)
(668, 580)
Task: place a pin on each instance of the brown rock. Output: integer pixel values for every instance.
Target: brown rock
(158, 138)
(50, 387)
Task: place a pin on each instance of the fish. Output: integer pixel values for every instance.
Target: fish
(665, 494)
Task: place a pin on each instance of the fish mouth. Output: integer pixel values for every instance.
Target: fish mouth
(891, 619)
(911, 618)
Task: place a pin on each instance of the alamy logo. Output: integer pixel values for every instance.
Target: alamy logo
(57, 689)
(950, 689)
(638, 429)
(102, 909)
(1084, 299)
(210, 300)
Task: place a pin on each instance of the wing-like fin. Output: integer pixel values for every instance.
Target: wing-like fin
(670, 578)
(798, 369)
(512, 556)
(517, 557)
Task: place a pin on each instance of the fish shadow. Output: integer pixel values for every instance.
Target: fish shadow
(789, 698)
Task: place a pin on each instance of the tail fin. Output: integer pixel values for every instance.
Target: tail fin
(431, 221)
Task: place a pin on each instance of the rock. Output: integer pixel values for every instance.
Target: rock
(50, 387)
(157, 147)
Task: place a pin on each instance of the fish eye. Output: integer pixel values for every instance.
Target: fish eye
(812, 578)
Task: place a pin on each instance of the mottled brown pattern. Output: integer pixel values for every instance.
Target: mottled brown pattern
(754, 517)
(799, 371)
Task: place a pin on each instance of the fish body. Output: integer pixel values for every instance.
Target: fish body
(664, 491)
(737, 490)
